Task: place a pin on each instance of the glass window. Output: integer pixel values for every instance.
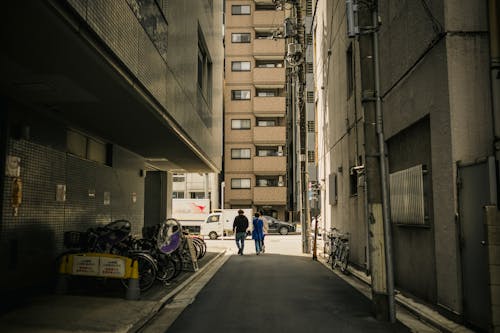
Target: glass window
(240, 9)
(238, 183)
(240, 124)
(240, 153)
(266, 123)
(178, 195)
(269, 151)
(177, 179)
(240, 94)
(240, 66)
(242, 37)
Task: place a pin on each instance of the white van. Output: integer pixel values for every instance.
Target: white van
(221, 223)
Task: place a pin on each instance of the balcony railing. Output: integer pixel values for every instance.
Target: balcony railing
(269, 195)
(269, 165)
(268, 18)
(269, 77)
(269, 106)
(269, 47)
(269, 135)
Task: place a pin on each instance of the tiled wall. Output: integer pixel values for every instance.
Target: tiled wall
(30, 241)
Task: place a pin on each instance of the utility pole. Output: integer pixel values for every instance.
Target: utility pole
(294, 31)
(363, 23)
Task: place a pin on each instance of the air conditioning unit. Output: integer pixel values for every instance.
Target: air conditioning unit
(294, 49)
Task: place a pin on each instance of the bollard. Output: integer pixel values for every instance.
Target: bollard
(133, 290)
(62, 278)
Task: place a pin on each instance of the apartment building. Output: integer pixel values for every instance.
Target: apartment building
(255, 168)
(196, 186)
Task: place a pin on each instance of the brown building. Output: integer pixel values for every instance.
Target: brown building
(255, 108)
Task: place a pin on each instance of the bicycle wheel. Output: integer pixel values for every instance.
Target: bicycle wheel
(166, 269)
(344, 261)
(177, 259)
(147, 271)
(203, 246)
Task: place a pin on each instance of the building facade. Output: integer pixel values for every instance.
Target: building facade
(255, 167)
(100, 100)
(439, 126)
(196, 186)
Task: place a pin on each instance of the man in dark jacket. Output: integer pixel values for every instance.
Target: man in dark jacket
(240, 226)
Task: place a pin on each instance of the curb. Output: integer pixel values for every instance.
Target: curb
(420, 311)
(164, 300)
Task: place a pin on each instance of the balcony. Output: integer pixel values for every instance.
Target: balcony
(269, 77)
(268, 18)
(269, 135)
(268, 48)
(269, 106)
(243, 196)
(269, 195)
(269, 165)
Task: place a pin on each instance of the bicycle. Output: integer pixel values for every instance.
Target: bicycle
(339, 250)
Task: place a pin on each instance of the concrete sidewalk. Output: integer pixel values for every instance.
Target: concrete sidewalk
(92, 312)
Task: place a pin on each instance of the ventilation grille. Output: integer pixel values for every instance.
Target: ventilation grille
(407, 196)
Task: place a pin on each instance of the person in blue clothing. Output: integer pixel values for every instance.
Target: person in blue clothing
(258, 232)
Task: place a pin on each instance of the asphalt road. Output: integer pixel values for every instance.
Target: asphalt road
(278, 293)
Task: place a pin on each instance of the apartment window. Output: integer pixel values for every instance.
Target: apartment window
(269, 63)
(309, 8)
(267, 181)
(353, 183)
(309, 39)
(311, 127)
(204, 68)
(240, 9)
(309, 68)
(177, 179)
(267, 93)
(239, 95)
(266, 122)
(240, 153)
(242, 37)
(263, 35)
(178, 195)
(240, 183)
(240, 66)
(197, 195)
(240, 124)
(267, 151)
(349, 71)
(265, 6)
(310, 156)
(310, 97)
(86, 147)
(333, 189)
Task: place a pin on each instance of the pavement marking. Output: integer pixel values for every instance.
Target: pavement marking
(169, 313)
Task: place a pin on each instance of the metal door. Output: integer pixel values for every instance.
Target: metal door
(474, 194)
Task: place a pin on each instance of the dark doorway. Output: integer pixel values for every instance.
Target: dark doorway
(155, 196)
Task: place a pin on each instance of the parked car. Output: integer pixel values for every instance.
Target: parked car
(277, 226)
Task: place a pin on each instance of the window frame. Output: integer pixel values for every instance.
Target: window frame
(240, 150)
(241, 128)
(241, 40)
(241, 6)
(233, 180)
(241, 70)
(234, 95)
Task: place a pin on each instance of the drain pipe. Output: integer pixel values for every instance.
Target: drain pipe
(383, 173)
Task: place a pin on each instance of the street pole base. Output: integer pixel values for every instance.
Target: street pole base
(380, 306)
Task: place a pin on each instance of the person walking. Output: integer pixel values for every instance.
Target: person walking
(258, 233)
(240, 226)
